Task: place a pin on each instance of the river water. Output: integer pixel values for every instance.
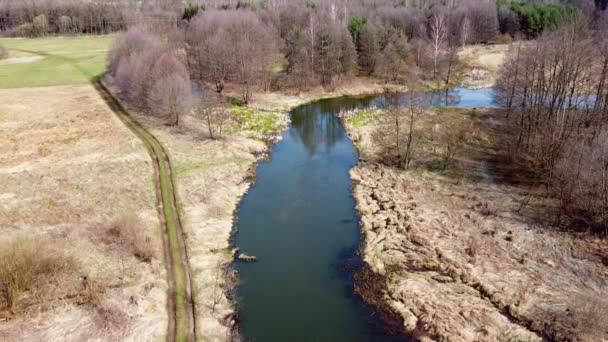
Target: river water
(299, 220)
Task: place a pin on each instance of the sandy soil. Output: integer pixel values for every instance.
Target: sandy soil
(481, 64)
(462, 261)
(69, 167)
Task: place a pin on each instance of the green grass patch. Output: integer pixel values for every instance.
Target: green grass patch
(256, 121)
(364, 117)
(63, 60)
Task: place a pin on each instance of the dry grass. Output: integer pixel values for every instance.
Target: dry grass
(68, 159)
(582, 315)
(70, 166)
(130, 234)
(471, 261)
(27, 262)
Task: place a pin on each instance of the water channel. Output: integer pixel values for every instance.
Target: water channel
(299, 220)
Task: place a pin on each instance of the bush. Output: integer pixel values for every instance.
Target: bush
(3, 52)
(25, 262)
(40, 25)
(25, 30)
(130, 234)
(151, 75)
(504, 39)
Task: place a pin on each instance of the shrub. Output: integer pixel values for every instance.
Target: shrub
(40, 25)
(3, 52)
(504, 39)
(25, 30)
(150, 74)
(25, 262)
(130, 234)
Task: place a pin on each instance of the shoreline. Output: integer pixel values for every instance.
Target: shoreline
(286, 104)
(457, 261)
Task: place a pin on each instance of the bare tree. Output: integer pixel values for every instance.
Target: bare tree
(465, 30)
(553, 93)
(230, 46)
(438, 32)
(214, 115)
(396, 133)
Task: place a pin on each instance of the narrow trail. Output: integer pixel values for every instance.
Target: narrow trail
(180, 304)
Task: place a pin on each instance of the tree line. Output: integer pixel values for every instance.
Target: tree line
(40, 17)
(555, 94)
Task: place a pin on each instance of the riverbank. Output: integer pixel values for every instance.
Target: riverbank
(459, 257)
(212, 175)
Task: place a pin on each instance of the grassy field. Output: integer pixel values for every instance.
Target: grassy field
(53, 61)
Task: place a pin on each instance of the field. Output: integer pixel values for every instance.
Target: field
(53, 61)
(78, 223)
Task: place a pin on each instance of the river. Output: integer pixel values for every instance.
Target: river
(299, 220)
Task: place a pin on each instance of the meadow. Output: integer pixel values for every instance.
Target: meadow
(53, 61)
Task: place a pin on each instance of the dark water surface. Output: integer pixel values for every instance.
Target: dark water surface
(299, 219)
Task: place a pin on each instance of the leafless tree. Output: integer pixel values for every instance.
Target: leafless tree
(553, 91)
(151, 75)
(396, 133)
(465, 30)
(214, 115)
(438, 33)
(230, 46)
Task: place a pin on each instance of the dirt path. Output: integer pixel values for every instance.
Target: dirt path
(180, 305)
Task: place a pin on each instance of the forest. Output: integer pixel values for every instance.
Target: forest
(554, 96)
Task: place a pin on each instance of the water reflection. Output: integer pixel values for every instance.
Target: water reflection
(299, 219)
(315, 127)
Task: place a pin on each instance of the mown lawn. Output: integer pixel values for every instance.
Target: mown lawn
(64, 60)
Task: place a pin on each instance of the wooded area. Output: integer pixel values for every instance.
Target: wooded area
(555, 93)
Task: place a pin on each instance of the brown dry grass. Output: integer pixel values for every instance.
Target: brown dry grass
(29, 263)
(481, 64)
(68, 167)
(128, 232)
(471, 261)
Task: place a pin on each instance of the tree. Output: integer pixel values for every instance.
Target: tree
(190, 11)
(438, 32)
(391, 63)
(214, 115)
(298, 60)
(355, 26)
(396, 134)
(41, 25)
(150, 75)
(170, 97)
(170, 87)
(65, 24)
(452, 141)
(368, 54)
(232, 45)
(465, 30)
(348, 53)
(553, 92)
(327, 49)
